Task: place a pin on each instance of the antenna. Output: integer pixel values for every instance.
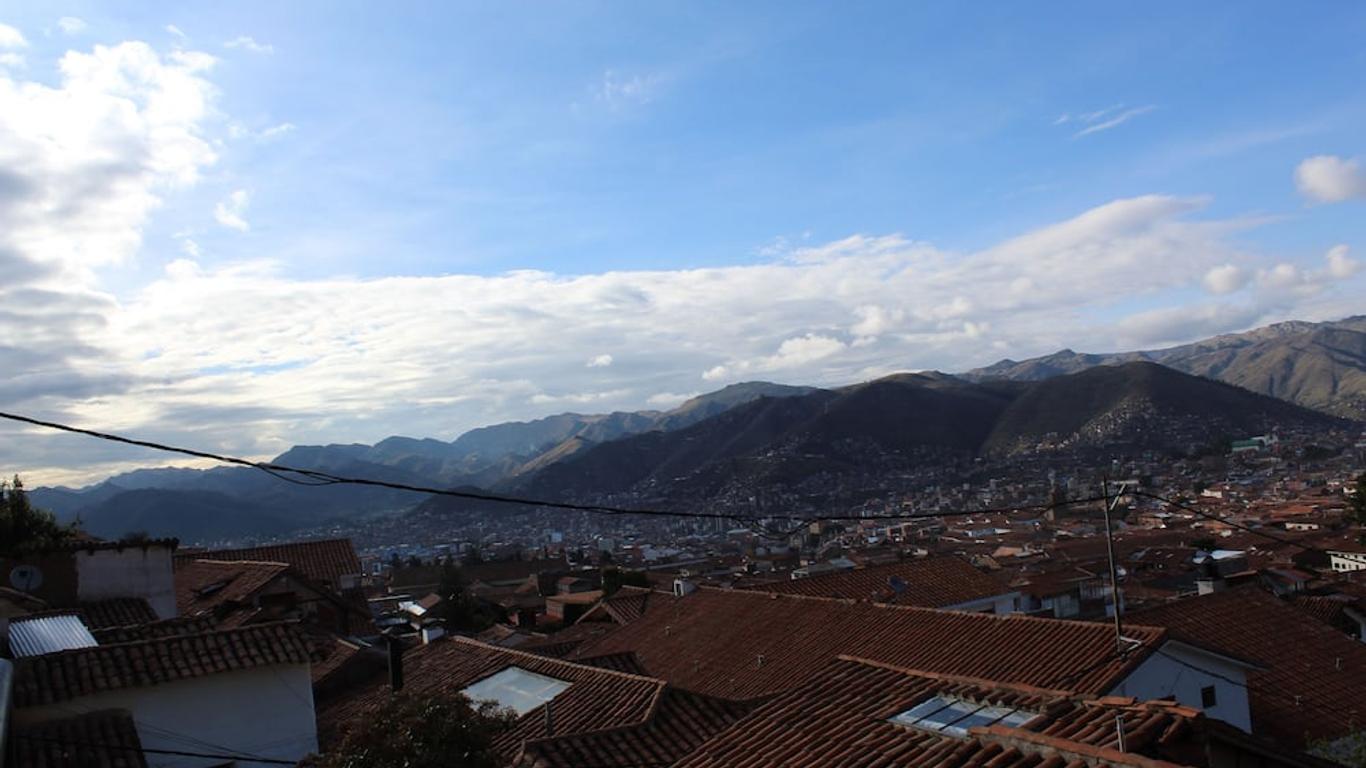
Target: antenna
(1110, 551)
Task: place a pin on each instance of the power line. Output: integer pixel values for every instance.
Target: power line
(1226, 521)
(317, 478)
(324, 478)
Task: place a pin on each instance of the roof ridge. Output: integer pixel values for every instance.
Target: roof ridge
(762, 595)
(538, 657)
(978, 681)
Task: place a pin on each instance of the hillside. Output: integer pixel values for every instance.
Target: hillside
(479, 458)
(903, 420)
(1316, 365)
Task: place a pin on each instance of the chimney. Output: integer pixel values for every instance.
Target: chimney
(684, 587)
(395, 662)
(431, 633)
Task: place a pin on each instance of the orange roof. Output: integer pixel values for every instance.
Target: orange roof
(595, 699)
(210, 586)
(932, 582)
(324, 561)
(744, 644)
(842, 717)
(57, 677)
(1311, 687)
(102, 739)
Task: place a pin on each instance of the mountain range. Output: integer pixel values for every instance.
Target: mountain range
(1316, 365)
(759, 435)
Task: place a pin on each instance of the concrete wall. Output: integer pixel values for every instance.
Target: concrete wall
(133, 571)
(264, 712)
(1161, 677)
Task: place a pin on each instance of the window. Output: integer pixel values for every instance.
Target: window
(517, 689)
(1208, 697)
(955, 716)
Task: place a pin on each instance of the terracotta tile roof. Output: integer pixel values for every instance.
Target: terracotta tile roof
(116, 612)
(931, 582)
(104, 739)
(595, 699)
(133, 633)
(678, 724)
(743, 644)
(216, 588)
(1311, 687)
(841, 717)
(58, 677)
(323, 561)
(1332, 610)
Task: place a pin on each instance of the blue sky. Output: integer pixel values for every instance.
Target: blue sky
(558, 173)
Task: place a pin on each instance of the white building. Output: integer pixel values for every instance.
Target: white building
(228, 694)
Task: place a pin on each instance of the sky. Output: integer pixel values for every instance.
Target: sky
(244, 226)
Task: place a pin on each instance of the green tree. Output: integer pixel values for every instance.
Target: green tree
(24, 528)
(460, 609)
(614, 579)
(433, 730)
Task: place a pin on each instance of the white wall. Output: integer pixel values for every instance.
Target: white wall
(998, 604)
(266, 712)
(1161, 677)
(133, 571)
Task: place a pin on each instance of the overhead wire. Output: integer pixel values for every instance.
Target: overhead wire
(325, 478)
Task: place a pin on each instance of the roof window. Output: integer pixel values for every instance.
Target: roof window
(954, 716)
(517, 689)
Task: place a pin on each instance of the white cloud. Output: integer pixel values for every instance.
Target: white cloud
(1330, 179)
(276, 131)
(230, 212)
(1225, 278)
(70, 25)
(1340, 264)
(252, 360)
(87, 156)
(618, 90)
(1107, 119)
(176, 32)
(669, 399)
(12, 60)
(11, 37)
(248, 44)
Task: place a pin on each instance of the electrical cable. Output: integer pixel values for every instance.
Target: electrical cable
(324, 478)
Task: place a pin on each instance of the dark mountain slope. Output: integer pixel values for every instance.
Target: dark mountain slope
(1316, 365)
(915, 419)
(1139, 403)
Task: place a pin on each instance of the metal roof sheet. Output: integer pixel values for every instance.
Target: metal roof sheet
(48, 634)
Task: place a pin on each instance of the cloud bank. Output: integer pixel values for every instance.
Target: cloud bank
(248, 358)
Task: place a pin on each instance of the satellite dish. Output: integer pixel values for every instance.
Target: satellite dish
(26, 578)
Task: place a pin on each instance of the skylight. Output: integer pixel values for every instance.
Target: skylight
(954, 717)
(517, 689)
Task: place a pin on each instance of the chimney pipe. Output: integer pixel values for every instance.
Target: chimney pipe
(395, 662)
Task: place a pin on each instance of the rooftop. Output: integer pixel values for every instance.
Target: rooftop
(848, 714)
(931, 582)
(744, 644)
(326, 560)
(1313, 677)
(57, 677)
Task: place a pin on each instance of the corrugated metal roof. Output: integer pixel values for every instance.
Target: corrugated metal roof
(48, 634)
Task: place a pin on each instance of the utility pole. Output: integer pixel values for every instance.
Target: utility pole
(1110, 549)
